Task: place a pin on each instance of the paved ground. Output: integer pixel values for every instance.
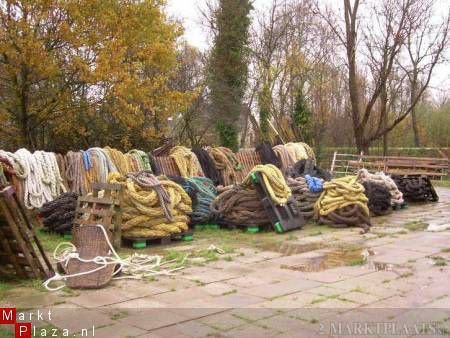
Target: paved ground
(392, 282)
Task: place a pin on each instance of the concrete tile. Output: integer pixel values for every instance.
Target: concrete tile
(270, 291)
(250, 330)
(118, 330)
(99, 298)
(236, 300)
(222, 321)
(281, 323)
(152, 319)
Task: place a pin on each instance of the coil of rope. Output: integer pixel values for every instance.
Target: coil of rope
(268, 155)
(142, 158)
(226, 162)
(306, 199)
(307, 167)
(104, 163)
(120, 161)
(207, 164)
(202, 192)
(284, 156)
(236, 206)
(58, 214)
(32, 181)
(152, 207)
(384, 180)
(379, 198)
(343, 203)
(185, 160)
(416, 188)
(74, 172)
(274, 180)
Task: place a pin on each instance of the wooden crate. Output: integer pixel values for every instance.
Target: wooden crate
(18, 241)
(104, 210)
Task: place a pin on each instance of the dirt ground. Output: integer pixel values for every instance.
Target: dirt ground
(393, 281)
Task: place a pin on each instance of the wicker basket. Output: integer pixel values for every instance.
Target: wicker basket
(90, 242)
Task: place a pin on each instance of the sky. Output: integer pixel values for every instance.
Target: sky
(188, 11)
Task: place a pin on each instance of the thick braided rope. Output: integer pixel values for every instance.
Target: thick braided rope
(226, 162)
(104, 163)
(339, 193)
(384, 180)
(185, 160)
(297, 151)
(143, 211)
(119, 160)
(305, 198)
(237, 206)
(142, 159)
(33, 185)
(274, 180)
(15, 162)
(284, 156)
(205, 193)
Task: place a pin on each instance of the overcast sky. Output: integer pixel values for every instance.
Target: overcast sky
(188, 12)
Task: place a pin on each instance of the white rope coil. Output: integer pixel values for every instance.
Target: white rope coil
(136, 266)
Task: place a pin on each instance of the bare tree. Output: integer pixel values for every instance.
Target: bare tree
(372, 61)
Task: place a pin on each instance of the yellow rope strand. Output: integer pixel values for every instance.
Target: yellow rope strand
(274, 180)
(339, 193)
(185, 160)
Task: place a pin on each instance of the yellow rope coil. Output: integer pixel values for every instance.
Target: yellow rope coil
(142, 213)
(274, 180)
(119, 159)
(185, 160)
(339, 193)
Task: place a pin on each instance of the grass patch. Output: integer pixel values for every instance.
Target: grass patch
(49, 240)
(439, 261)
(446, 250)
(357, 261)
(406, 275)
(7, 331)
(119, 315)
(229, 292)
(416, 226)
(442, 183)
(315, 233)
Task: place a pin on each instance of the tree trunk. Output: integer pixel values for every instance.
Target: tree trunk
(413, 110)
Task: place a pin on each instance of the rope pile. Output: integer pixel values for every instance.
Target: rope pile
(185, 160)
(152, 207)
(343, 204)
(236, 206)
(383, 180)
(274, 180)
(379, 198)
(139, 160)
(307, 167)
(284, 156)
(306, 199)
(202, 192)
(416, 188)
(300, 151)
(207, 164)
(268, 155)
(58, 214)
(226, 163)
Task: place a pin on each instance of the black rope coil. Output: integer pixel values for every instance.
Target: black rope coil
(58, 214)
(416, 188)
(307, 167)
(304, 197)
(207, 164)
(379, 198)
(268, 156)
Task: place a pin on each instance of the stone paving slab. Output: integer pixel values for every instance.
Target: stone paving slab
(270, 291)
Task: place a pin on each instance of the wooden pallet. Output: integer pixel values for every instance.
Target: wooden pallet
(141, 243)
(18, 241)
(104, 210)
